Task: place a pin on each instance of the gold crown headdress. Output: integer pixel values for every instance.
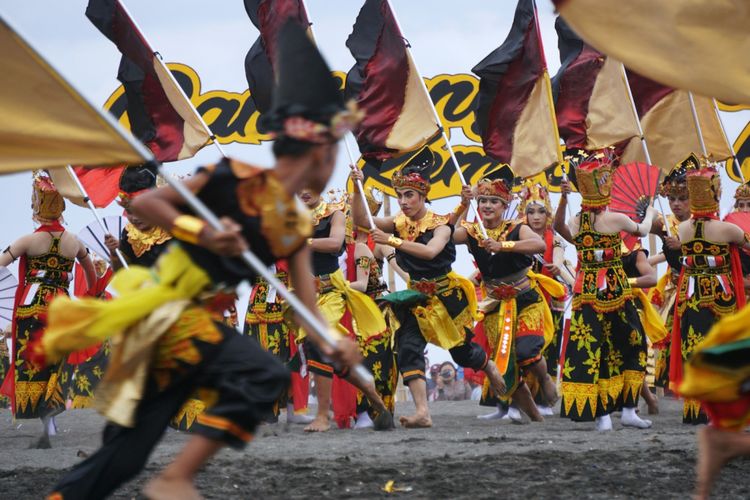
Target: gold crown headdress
(593, 178)
(498, 183)
(675, 182)
(46, 203)
(535, 194)
(415, 174)
(704, 188)
(742, 192)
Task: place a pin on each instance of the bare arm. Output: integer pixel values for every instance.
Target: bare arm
(363, 272)
(647, 273)
(625, 223)
(359, 216)
(15, 250)
(335, 239)
(657, 259)
(459, 213)
(429, 251)
(558, 260)
(558, 224)
(529, 243)
(88, 266)
(389, 254)
(460, 235)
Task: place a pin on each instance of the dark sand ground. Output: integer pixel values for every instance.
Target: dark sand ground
(459, 457)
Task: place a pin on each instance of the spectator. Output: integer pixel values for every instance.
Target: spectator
(449, 388)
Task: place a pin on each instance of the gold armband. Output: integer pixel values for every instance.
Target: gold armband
(395, 242)
(632, 282)
(461, 208)
(507, 245)
(309, 241)
(187, 228)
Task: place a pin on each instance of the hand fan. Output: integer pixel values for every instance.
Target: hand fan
(93, 237)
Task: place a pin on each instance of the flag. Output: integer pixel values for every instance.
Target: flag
(515, 113)
(44, 121)
(160, 115)
(268, 16)
(399, 115)
(700, 45)
(101, 185)
(668, 125)
(592, 104)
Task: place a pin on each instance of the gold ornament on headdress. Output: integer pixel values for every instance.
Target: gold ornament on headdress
(743, 192)
(594, 180)
(46, 203)
(675, 182)
(704, 188)
(535, 194)
(412, 180)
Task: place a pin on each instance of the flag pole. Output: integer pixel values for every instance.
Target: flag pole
(158, 56)
(726, 139)
(94, 211)
(472, 202)
(353, 165)
(644, 145)
(697, 122)
(257, 265)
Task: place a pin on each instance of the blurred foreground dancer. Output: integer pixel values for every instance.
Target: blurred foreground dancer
(169, 340)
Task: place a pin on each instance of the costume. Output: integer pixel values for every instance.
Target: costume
(444, 310)
(37, 392)
(710, 284)
(169, 340)
(605, 359)
(517, 320)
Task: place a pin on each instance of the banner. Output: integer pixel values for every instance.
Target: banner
(233, 118)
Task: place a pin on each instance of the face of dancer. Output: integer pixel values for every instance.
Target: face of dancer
(742, 205)
(491, 208)
(411, 202)
(309, 198)
(536, 215)
(680, 207)
(139, 224)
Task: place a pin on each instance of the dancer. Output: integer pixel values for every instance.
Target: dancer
(174, 343)
(447, 302)
(717, 375)
(710, 285)
(45, 269)
(605, 358)
(663, 295)
(335, 297)
(517, 320)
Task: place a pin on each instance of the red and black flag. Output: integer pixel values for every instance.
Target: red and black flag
(515, 113)
(384, 81)
(160, 115)
(592, 104)
(268, 16)
(668, 125)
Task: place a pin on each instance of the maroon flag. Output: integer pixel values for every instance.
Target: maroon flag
(160, 115)
(385, 83)
(268, 16)
(592, 104)
(515, 113)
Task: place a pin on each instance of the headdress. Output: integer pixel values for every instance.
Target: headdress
(46, 203)
(593, 179)
(535, 194)
(307, 103)
(135, 181)
(498, 183)
(675, 183)
(704, 188)
(415, 174)
(743, 192)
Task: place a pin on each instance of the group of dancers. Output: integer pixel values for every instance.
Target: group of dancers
(165, 352)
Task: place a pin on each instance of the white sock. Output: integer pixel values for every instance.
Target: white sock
(515, 414)
(604, 423)
(293, 418)
(545, 411)
(495, 415)
(51, 427)
(631, 419)
(364, 421)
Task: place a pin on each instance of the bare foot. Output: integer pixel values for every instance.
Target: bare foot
(416, 421)
(653, 407)
(496, 380)
(550, 391)
(320, 424)
(161, 488)
(715, 448)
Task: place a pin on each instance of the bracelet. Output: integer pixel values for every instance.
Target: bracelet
(187, 228)
(507, 245)
(395, 242)
(11, 253)
(632, 282)
(461, 208)
(309, 241)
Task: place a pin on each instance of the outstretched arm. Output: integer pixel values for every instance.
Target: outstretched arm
(335, 239)
(15, 250)
(359, 216)
(88, 265)
(558, 223)
(429, 251)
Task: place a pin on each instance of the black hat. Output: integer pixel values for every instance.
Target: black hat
(415, 173)
(307, 102)
(136, 180)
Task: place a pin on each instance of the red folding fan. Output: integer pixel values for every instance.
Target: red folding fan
(634, 185)
(742, 219)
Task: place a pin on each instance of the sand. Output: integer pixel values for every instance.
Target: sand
(460, 457)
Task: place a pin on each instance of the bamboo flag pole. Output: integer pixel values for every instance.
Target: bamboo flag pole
(438, 122)
(94, 211)
(644, 145)
(158, 56)
(729, 145)
(698, 128)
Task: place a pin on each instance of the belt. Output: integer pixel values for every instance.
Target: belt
(502, 290)
(431, 286)
(323, 283)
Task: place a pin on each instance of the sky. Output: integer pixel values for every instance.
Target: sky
(213, 38)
